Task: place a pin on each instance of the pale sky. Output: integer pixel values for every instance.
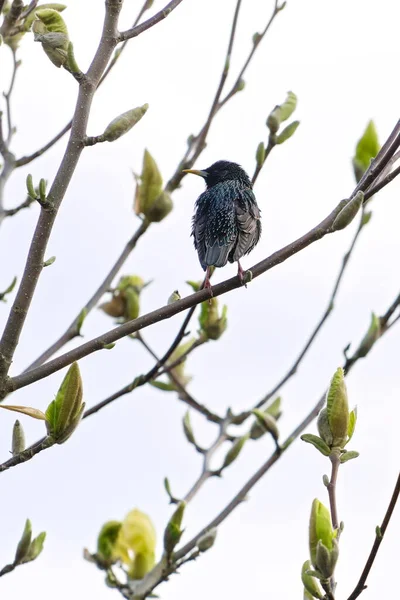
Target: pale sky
(341, 59)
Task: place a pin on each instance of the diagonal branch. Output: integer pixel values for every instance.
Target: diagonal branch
(73, 330)
(34, 263)
(162, 14)
(293, 369)
(24, 160)
(169, 310)
(360, 587)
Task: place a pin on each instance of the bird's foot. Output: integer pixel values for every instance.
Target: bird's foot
(243, 275)
(207, 284)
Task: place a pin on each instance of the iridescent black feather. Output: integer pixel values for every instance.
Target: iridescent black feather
(226, 224)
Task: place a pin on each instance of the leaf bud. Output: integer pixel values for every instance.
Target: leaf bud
(206, 541)
(122, 124)
(338, 408)
(18, 439)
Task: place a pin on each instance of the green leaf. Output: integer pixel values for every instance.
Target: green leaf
(234, 451)
(107, 539)
(288, 107)
(352, 424)
(150, 186)
(187, 428)
(172, 499)
(65, 411)
(35, 413)
(287, 132)
(348, 455)
(161, 385)
(24, 543)
(35, 548)
(317, 442)
(309, 582)
(367, 148)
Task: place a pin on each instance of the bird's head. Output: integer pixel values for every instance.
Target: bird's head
(223, 170)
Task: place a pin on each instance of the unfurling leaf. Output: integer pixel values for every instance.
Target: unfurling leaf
(309, 582)
(24, 543)
(320, 529)
(106, 541)
(338, 408)
(348, 455)
(51, 31)
(35, 413)
(234, 451)
(150, 186)
(212, 324)
(317, 442)
(267, 422)
(136, 544)
(65, 411)
(367, 148)
(352, 424)
(124, 123)
(187, 428)
(287, 132)
(173, 531)
(8, 290)
(35, 548)
(288, 107)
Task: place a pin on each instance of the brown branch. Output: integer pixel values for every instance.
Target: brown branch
(73, 330)
(360, 587)
(197, 143)
(24, 160)
(162, 14)
(153, 373)
(27, 454)
(168, 311)
(34, 264)
(10, 212)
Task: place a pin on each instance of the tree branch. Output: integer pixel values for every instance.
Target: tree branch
(73, 330)
(27, 454)
(34, 264)
(162, 14)
(293, 369)
(360, 587)
(168, 311)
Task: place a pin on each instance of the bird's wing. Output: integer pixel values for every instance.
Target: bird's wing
(214, 227)
(248, 224)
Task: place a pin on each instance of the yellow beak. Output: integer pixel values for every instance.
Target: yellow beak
(196, 172)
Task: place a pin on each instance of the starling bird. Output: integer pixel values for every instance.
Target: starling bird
(226, 224)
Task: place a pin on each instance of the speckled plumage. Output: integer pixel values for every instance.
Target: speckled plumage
(226, 224)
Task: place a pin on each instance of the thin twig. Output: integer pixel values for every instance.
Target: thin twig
(7, 96)
(197, 143)
(360, 587)
(73, 330)
(335, 460)
(162, 14)
(24, 160)
(27, 454)
(336, 286)
(34, 264)
(153, 372)
(10, 212)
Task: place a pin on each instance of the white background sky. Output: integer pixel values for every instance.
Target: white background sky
(341, 59)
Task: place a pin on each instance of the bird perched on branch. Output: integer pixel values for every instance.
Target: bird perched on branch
(226, 224)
